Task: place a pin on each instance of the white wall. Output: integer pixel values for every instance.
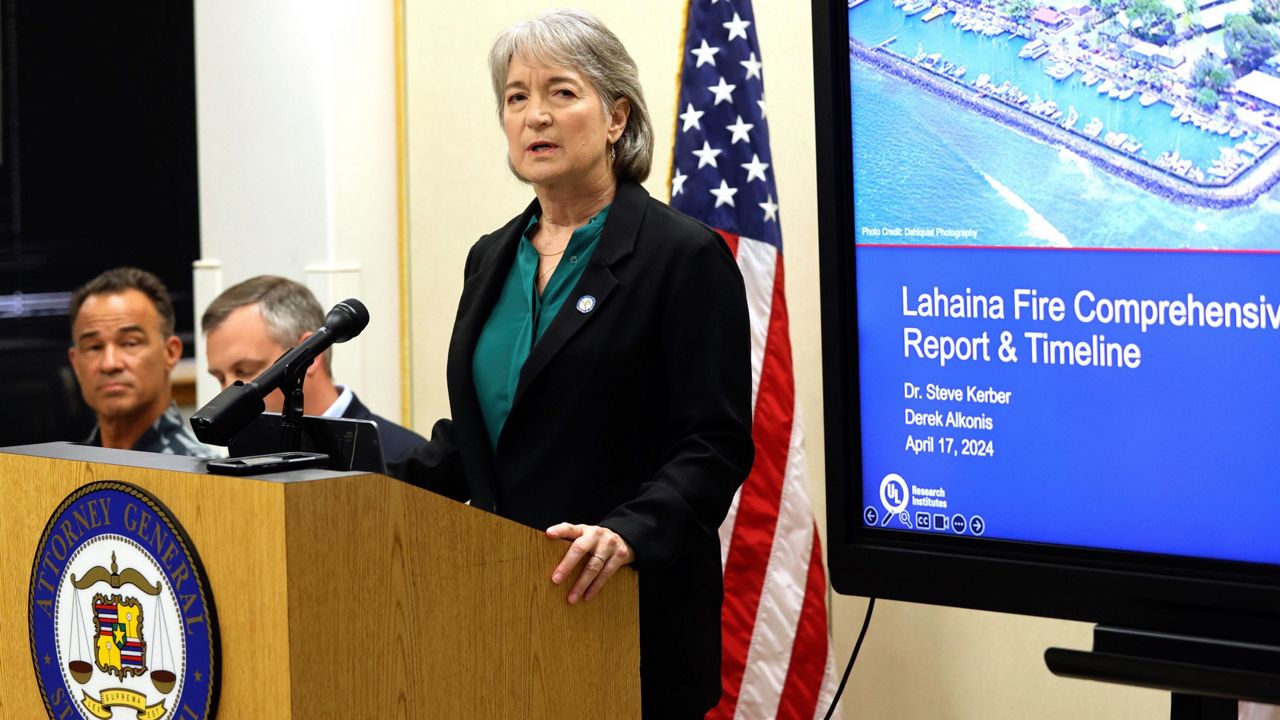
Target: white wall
(297, 157)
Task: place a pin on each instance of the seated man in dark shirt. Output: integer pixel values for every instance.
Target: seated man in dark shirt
(253, 323)
(123, 350)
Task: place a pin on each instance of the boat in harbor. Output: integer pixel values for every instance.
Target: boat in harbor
(1093, 128)
(1148, 98)
(934, 13)
(1114, 139)
(1047, 109)
(1106, 87)
(1034, 49)
(1176, 113)
(1188, 170)
(1090, 79)
(1059, 71)
(1072, 117)
(1229, 162)
(915, 7)
(1125, 94)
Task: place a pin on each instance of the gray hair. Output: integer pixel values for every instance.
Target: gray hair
(288, 309)
(576, 39)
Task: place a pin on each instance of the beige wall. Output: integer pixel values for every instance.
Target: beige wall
(918, 661)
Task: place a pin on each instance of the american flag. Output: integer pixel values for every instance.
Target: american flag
(777, 660)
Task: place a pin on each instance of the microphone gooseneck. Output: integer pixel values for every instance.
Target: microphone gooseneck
(234, 408)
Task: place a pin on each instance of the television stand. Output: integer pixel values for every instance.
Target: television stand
(1207, 676)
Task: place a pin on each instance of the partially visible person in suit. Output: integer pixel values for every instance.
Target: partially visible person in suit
(253, 323)
(599, 371)
(123, 350)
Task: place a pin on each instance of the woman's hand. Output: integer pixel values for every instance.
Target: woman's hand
(604, 550)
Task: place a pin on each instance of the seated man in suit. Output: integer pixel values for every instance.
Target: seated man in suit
(123, 350)
(253, 323)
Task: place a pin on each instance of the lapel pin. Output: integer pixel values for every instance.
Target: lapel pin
(586, 304)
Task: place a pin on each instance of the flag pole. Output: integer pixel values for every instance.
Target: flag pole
(675, 112)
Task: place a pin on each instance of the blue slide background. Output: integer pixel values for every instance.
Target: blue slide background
(1177, 456)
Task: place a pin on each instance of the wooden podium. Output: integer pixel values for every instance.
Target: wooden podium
(348, 595)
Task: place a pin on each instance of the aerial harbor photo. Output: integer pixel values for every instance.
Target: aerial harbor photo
(1086, 123)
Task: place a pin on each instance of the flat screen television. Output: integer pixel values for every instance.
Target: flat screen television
(1050, 249)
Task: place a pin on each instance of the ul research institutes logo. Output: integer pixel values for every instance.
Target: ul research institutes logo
(121, 621)
(894, 497)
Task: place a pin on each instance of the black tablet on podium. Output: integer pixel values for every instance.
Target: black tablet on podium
(350, 444)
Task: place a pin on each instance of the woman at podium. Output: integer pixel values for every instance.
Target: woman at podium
(599, 370)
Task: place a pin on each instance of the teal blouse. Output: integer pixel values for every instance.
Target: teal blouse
(521, 316)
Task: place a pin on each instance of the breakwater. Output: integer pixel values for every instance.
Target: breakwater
(1245, 188)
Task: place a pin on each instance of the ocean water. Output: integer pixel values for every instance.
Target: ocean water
(923, 161)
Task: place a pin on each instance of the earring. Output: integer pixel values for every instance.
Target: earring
(613, 154)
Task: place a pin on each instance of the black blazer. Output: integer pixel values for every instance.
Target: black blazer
(633, 413)
(397, 441)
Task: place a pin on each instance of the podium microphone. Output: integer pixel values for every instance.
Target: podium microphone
(225, 415)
